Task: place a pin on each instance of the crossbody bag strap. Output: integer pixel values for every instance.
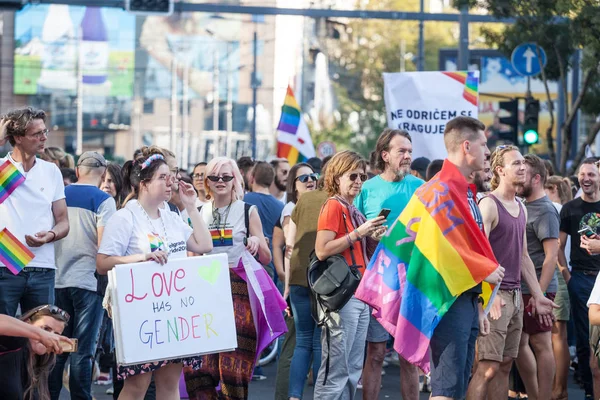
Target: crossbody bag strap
(347, 233)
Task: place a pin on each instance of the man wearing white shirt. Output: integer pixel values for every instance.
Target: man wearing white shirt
(35, 213)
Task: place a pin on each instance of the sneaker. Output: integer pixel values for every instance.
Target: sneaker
(110, 390)
(258, 377)
(385, 364)
(382, 372)
(104, 380)
(392, 358)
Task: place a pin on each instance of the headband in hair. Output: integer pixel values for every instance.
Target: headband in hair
(150, 159)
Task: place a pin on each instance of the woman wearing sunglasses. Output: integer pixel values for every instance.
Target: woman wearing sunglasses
(28, 348)
(143, 230)
(226, 217)
(301, 179)
(341, 226)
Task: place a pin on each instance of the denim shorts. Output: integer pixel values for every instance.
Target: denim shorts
(376, 332)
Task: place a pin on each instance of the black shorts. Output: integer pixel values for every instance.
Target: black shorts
(453, 348)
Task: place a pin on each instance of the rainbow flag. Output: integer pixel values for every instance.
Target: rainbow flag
(432, 253)
(293, 137)
(10, 179)
(13, 254)
(156, 242)
(221, 238)
(471, 82)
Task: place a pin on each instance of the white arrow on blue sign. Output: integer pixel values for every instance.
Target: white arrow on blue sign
(525, 59)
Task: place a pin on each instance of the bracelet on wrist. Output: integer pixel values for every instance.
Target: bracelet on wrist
(348, 239)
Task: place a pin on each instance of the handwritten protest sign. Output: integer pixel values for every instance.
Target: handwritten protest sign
(423, 102)
(180, 309)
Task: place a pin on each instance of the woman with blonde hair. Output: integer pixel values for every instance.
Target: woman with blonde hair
(235, 227)
(59, 157)
(342, 229)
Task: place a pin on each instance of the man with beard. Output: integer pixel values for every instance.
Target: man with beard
(536, 359)
(392, 189)
(581, 215)
(504, 219)
(246, 164)
(482, 180)
(279, 186)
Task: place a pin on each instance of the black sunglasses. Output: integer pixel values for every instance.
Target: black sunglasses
(363, 177)
(225, 178)
(306, 177)
(54, 310)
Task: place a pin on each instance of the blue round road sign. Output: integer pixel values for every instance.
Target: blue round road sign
(525, 59)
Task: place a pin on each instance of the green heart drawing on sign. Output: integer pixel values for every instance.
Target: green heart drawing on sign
(210, 273)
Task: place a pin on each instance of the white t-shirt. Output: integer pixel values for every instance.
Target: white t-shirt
(287, 212)
(28, 210)
(595, 295)
(227, 234)
(129, 232)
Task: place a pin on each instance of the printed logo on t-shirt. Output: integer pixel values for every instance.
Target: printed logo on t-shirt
(592, 220)
(156, 243)
(222, 237)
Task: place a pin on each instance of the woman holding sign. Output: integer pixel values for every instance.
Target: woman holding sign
(143, 231)
(234, 227)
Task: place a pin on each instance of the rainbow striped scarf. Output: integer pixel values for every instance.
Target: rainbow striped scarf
(434, 252)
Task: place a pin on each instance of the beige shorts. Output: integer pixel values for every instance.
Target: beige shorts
(563, 312)
(505, 333)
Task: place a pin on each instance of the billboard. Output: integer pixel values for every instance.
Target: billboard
(208, 45)
(51, 41)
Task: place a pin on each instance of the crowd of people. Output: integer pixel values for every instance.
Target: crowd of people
(80, 220)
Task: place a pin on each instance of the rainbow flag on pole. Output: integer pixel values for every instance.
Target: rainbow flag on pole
(10, 179)
(13, 254)
(434, 252)
(293, 137)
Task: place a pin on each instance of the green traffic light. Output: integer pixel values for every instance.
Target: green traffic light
(531, 137)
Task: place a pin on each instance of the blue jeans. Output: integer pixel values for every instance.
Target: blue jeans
(32, 287)
(452, 348)
(580, 287)
(308, 341)
(85, 308)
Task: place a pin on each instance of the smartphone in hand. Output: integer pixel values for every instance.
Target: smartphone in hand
(587, 231)
(68, 348)
(384, 212)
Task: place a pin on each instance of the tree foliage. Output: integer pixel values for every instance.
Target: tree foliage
(372, 48)
(562, 28)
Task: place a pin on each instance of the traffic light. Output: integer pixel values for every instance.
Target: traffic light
(511, 120)
(530, 125)
(150, 7)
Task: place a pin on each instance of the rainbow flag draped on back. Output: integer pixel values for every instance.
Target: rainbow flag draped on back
(432, 253)
(10, 179)
(293, 137)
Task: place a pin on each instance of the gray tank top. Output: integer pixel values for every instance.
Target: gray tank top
(507, 243)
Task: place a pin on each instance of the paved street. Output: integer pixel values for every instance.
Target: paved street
(264, 390)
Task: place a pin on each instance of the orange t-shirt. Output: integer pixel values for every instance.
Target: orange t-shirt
(331, 219)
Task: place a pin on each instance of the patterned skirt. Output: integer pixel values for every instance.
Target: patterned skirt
(232, 369)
